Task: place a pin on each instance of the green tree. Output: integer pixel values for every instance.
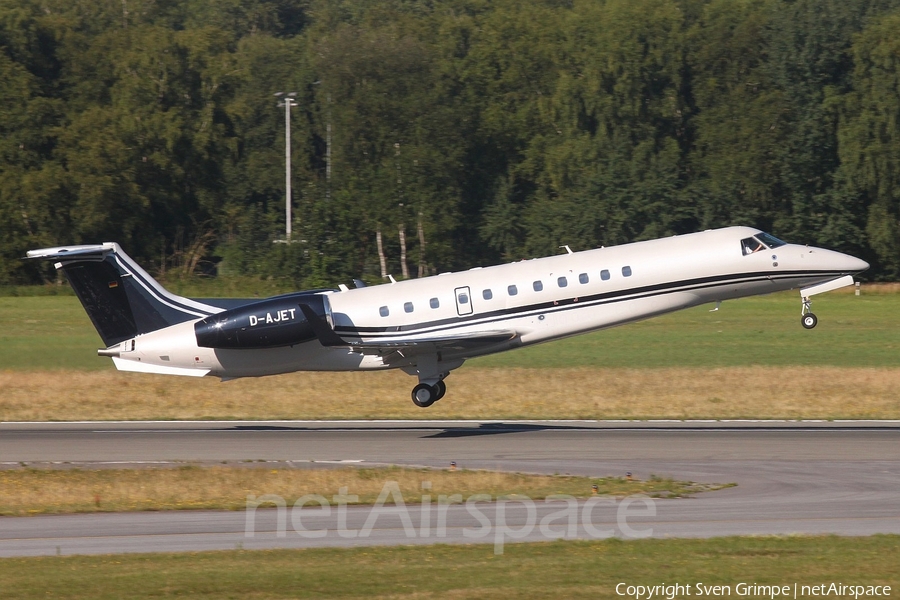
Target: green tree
(736, 116)
(608, 164)
(870, 136)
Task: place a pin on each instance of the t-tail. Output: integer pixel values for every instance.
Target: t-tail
(121, 299)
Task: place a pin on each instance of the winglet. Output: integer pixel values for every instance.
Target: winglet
(323, 331)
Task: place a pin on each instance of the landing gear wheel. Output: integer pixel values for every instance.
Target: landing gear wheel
(809, 321)
(440, 389)
(423, 395)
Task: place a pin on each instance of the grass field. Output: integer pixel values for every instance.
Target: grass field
(53, 332)
(28, 491)
(536, 570)
(853, 331)
(751, 359)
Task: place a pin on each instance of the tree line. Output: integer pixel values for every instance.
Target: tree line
(431, 135)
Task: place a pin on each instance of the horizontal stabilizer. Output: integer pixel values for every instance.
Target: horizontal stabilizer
(140, 367)
(93, 252)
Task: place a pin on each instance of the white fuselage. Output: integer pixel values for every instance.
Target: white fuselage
(540, 300)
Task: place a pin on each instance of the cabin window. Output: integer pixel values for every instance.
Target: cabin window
(626, 271)
(487, 294)
(408, 306)
(562, 282)
(604, 275)
(537, 285)
(462, 298)
(384, 311)
(435, 303)
(583, 278)
(513, 290)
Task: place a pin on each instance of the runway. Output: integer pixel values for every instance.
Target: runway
(792, 477)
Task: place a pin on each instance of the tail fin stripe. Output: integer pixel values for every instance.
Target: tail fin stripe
(163, 297)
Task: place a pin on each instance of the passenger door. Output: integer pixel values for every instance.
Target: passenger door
(463, 301)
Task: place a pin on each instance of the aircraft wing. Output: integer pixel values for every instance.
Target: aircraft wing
(404, 348)
(455, 344)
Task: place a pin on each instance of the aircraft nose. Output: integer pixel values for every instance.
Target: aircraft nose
(848, 264)
(860, 265)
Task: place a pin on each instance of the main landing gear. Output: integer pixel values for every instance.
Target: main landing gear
(431, 372)
(424, 395)
(807, 319)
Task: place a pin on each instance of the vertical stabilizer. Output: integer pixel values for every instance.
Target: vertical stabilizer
(121, 298)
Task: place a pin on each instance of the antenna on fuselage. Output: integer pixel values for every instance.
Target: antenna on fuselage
(566, 246)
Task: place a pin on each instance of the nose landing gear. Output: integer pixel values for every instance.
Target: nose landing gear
(809, 321)
(807, 318)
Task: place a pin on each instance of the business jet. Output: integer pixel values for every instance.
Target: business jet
(429, 326)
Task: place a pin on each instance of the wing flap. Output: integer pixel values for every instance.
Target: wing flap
(458, 342)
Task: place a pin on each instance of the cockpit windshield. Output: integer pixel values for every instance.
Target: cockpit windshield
(760, 241)
(769, 240)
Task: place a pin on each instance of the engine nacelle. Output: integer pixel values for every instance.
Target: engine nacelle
(266, 324)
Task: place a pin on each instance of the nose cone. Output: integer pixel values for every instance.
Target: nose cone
(844, 262)
(857, 265)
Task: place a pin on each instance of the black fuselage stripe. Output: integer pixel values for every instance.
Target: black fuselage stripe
(576, 302)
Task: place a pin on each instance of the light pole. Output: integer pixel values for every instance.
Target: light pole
(287, 102)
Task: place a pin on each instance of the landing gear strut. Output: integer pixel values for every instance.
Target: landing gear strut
(424, 395)
(807, 319)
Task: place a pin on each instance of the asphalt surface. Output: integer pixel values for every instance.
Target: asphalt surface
(807, 477)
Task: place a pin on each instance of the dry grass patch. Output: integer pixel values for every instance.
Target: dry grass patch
(42, 491)
(474, 393)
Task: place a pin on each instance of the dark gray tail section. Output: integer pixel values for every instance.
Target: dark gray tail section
(121, 299)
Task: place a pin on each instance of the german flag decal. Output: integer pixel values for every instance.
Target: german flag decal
(113, 284)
